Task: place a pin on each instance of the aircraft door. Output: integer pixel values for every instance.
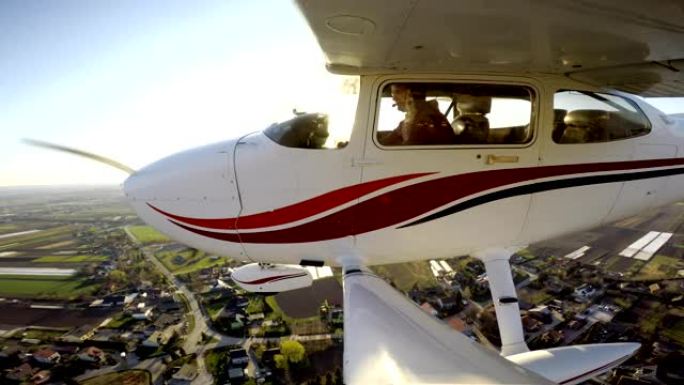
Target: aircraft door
(587, 144)
(451, 145)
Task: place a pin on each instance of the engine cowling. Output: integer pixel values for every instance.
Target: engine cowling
(268, 278)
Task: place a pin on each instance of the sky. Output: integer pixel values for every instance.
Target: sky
(138, 80)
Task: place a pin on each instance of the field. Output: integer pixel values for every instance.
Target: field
(146, 234)
(45, 287)
(660, 266)
(6, 228)
(189, 260)
(306, 302)
(40, 334)
(126, 377)
(70, 258)
(407, 275)
(37, 238)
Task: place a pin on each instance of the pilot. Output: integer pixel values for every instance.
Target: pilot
(423, 122)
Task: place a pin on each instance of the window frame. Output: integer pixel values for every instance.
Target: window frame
(535, 96)
(629, 101)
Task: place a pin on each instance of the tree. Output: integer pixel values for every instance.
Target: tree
(292, 350)
(117, 277)
(280, 361)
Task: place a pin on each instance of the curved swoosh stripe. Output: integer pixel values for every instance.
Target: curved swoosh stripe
(412, 201)
(295, 211)
(545, 186)
(271, 279)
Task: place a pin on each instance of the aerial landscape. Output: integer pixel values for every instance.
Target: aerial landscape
(90, 295)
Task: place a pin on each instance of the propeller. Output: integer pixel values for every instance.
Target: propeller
(85, 154)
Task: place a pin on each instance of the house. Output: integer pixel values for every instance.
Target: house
(92, 354)
(236, 373)
(429, 309)
(542, 313)
(457, 324)
(654, 288)
(142, 314)
(530, 324)
(239, 357)
(46, 356)
(41, 377)
(168, 304)
(255, 317)
(585, 293)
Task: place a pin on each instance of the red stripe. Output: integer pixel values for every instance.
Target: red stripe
(269, 279)
(293, 212)
(409, 202)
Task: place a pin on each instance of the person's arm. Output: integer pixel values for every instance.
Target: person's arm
(392, 138)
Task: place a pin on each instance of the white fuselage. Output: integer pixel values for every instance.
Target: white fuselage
(254, 199)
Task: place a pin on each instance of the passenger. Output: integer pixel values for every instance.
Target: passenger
(423, 122)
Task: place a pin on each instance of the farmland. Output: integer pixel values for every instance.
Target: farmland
(70, 258)
(146, 234)
(189, 260)
(53, 287)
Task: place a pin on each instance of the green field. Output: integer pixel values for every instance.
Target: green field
(39, 237)
(660, 266)
(39, 334)
(146, 234)
(7, 228)
(33, 286)
(70, 258)
(407, 275)
(188, 261)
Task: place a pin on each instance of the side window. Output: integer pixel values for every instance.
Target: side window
(415, 114)
(589, 117)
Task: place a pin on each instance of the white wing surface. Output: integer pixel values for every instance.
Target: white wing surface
(633, 45)
(390, 340)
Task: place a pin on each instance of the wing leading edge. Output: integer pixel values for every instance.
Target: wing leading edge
(389, 340)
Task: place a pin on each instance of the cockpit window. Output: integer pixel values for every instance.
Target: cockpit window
(592, 117)
(304, 131)
(454, 114)
(330, 129)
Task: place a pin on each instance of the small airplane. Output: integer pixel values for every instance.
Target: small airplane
(516, 124)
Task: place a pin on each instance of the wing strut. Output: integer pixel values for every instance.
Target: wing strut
(505, 300)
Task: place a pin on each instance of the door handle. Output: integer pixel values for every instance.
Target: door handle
(491, 159)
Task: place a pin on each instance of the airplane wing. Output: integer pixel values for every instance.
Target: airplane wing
(389, 340)
(632, 45)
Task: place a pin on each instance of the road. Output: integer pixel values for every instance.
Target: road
(193, 340)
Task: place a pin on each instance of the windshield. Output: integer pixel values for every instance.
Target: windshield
(304, 131)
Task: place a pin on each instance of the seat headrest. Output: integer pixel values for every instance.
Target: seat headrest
(469, 104)
(559, 115)
(586, 117)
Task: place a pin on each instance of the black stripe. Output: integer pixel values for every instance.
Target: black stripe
(545, 186)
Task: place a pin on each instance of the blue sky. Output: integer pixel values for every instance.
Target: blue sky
(138, 80)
